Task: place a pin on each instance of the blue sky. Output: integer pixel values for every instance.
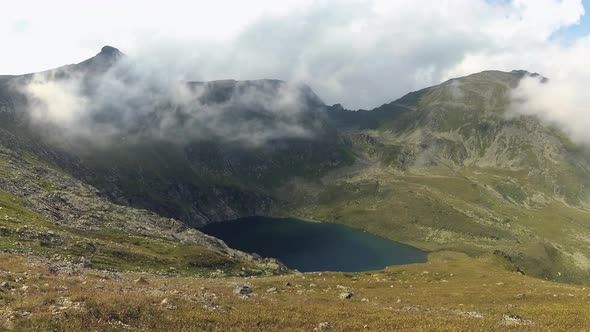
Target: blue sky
(571, 33)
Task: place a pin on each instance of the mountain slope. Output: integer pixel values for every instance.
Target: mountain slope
(88, 241)
(450, 167)
(215, 153)
(445, 168)
(46, 212)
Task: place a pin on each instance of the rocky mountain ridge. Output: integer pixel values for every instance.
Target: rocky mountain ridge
(444, 168)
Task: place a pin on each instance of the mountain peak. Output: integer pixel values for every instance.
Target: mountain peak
(101, 62)
(109, 52)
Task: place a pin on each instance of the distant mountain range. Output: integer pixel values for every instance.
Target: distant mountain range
(444, 168)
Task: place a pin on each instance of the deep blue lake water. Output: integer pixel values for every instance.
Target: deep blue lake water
(308, 246)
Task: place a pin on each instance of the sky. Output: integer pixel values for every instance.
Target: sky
(360, 53)
(569, 34)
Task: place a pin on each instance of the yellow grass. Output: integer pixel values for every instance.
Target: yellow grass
(442, 295)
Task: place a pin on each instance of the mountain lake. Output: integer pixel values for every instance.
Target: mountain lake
(312, 246)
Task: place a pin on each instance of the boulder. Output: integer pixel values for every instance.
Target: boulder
(243, 290)
(346, 295)
(510, 319)
(141, 281)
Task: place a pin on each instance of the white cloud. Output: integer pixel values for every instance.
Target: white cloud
(563, 100)
(136, 102)
(361, 53)
(66, 106)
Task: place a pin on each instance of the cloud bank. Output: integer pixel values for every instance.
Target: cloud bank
(134, 102)
(360, 53)
(559, 102)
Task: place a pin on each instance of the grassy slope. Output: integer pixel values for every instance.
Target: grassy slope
(441, 205)
(442, 210)
(441, 299)
(55, 215)
(445, 168)
(26, 231)
(451, 292)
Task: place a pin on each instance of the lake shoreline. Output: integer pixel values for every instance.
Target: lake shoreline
(311, 246)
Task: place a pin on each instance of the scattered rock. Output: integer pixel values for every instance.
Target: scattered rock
(409, 309)
(510, 319)
(312, 285)
(210, 307)
(64, 304)
(323, 326)
(271, 290)
(473, 314)
(164, 302)
(24, 314)
(85, 262)
(346, 295)
(119, 324)
(141, 281)
(520, 297)
(364, 299)
(243, 290)
(288, 284)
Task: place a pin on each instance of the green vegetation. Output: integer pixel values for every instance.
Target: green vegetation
(58, 217)
(24, 231)
(446, 169)
(453, 171)
(451, 292)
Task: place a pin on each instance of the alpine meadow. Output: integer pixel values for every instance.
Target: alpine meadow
(318, 165)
